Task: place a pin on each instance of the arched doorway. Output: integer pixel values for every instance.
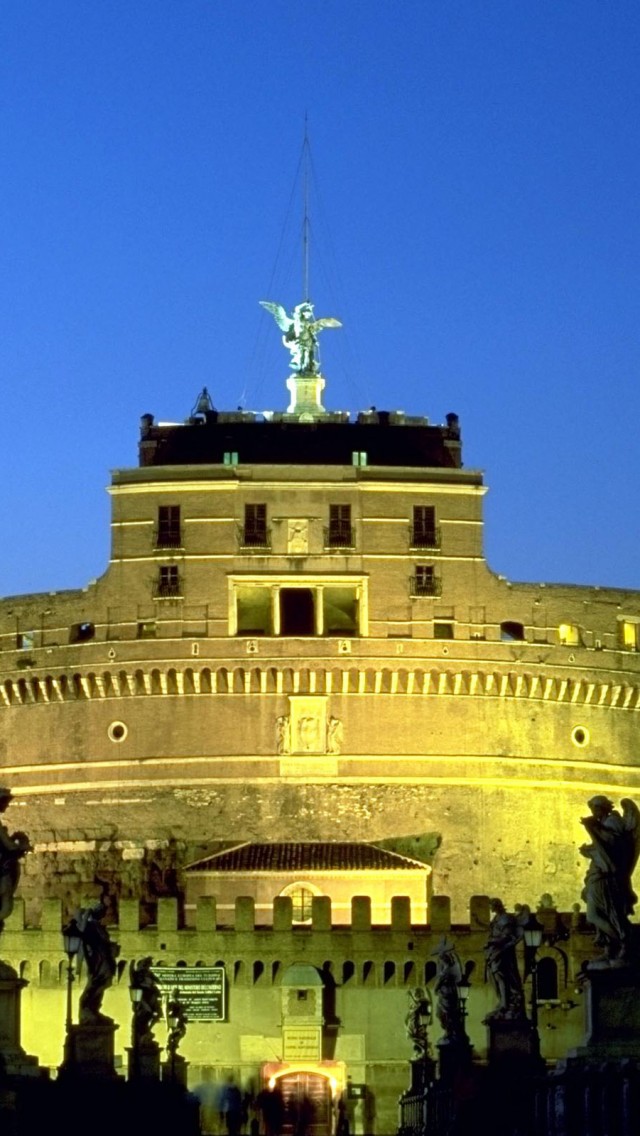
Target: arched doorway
(307, 1104)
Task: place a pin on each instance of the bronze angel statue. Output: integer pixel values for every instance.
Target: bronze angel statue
(609, 895)
(300, 334)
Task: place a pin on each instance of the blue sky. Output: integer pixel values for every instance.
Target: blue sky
(474, 223)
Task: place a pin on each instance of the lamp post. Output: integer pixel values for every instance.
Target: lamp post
(532, 932)
(72, 940)
(173, 1024)
(135, 993)
(464, 988)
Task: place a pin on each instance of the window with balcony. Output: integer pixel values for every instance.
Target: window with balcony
(168, 585)
(254, 533)
(424, 531)
(425, 582)
(340, 530)
(169, 534)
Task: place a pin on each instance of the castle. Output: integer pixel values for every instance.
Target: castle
(298, 641)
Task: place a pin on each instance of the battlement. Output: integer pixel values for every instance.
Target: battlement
(396, 954)
(280, 918)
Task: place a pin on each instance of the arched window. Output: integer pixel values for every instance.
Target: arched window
(511, 632)
(301, 895)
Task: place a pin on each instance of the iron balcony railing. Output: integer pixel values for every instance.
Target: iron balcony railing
(168, 539)
(254, 536)
(425, 536)
(339, 535)
(171, 591)
(426, 586)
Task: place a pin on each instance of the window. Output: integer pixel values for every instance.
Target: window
(511, 632)
(168, 582)
(255, 526)
(630, 634)
(298, 606)
(443, 630)
(424, 533)
(359, 457)
(340, 533)
(25, 640)
(81, 632)
(169, 533)
(425, 582)
(230, 457)
(569, 635)
(147, 629)
(301, 899)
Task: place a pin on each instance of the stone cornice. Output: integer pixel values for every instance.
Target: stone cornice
(124, 682)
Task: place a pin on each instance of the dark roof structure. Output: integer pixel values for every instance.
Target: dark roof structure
(388, 438)
(305, 857)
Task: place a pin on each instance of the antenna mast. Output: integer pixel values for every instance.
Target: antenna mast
(305, 223)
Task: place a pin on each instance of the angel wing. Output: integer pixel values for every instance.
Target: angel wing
(631, 820)
(277, 311)
(328, 321)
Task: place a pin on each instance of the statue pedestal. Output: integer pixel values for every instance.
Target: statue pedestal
(423, 1073)
(88, 1050)
(513, 1042)
(13, 1059)
(611, 1014)
(454, 1056)
(143, 1061)
(174, 1071)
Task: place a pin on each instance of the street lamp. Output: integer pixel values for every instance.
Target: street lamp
(72, 939)
(464, 989)
(532, 932)
(135, 994)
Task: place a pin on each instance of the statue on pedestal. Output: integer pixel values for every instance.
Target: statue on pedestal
(177, 1022)
(99, 954)
(300, 334)
(449, 975)
(609, 896)
(12, 848)
(417, 1021)
(502, 965)
(147, 1010)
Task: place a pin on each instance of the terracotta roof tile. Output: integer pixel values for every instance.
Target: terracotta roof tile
(305, 857)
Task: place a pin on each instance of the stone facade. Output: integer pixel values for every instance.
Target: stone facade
(283, 649)
(363, 974)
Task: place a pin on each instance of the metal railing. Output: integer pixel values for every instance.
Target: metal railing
(254, 536)
(168, 539)
(168, 591)
(423, 536)
(426, 587)
(339, 535)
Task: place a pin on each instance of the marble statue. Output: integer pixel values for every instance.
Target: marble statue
(99, 954)
(300, 334)
(148, 1009)
(449, 975)
(505, 933)
(175, 1012)
(609, 896)
(417, 1021)
(13, 846)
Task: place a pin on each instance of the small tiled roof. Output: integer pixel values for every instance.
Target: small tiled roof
(305, 857)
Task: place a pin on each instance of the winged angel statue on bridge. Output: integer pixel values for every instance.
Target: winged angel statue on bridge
(300, 334)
